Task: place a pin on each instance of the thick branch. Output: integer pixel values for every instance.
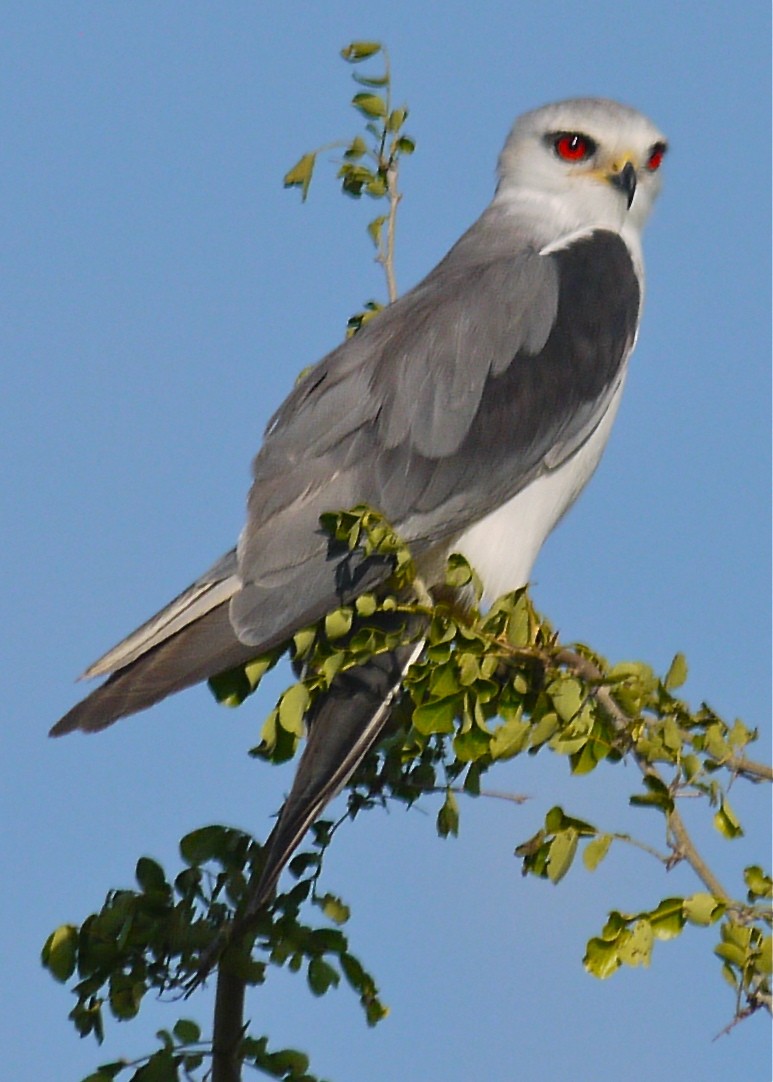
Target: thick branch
(228, 1025)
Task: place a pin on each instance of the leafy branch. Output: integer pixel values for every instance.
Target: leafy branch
(371, 162)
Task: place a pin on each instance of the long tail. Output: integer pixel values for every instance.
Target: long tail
(203, 649)
(190, 640)
(344, 726)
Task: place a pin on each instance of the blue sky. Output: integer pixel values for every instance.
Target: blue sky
(160, 293)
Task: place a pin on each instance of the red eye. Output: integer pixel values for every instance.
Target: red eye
(573, 147)
(656, 157)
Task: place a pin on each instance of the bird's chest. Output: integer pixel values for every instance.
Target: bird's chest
(503, 546)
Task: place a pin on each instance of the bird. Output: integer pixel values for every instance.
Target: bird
(470, 413)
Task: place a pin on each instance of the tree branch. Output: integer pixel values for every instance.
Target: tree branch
(683, 845)
(228, 1025)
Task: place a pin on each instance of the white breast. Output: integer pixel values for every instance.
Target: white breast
(503, 546)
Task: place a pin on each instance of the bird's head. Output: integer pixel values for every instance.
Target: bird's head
(597, 162)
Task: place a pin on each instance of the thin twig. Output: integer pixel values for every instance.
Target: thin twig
(683, 844)
(750, 769)
(387, 257)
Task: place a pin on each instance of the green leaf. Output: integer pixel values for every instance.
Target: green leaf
(448, 816)
(338, 623)
(334, 909)
(567, 695)
(544, 729)
(601, 958)
(635, 947)
(370, 80)
(161, 1067)
(471, 745)
(677, 673)
(59, 952)
(595, 851)
(366, 605)
(321, 976)
(356, 149)
(107, 1071)
(125, 995)
(510, 738)
(301, 173)
(292, 709)
(360, 50)
(203, 844)
(668, 919)
(405, 145)
(759, 885)
(562, 852)
(187, 1031)
(436, 716)
(150, 876)
(703, 908)
(396, 119)
(727, 822)
(369, 104)
(374, 229)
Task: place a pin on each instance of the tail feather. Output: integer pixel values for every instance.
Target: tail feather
(202, 649)
(219, 584)
(344, 726)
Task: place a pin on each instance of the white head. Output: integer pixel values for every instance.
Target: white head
(594, 162)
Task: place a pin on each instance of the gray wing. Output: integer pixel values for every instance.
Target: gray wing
(496, 367)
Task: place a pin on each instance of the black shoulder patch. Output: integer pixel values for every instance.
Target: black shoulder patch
(535, 400)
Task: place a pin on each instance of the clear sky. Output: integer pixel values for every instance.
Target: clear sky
(160, 293)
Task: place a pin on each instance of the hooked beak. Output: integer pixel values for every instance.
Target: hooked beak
(624, 181)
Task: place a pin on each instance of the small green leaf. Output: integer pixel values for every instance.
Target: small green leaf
(368, 104)
(356, 149)
(292, 708)
(334, 909)
(510, 738)
(187, 1031)
(150, 875)
(396, 119)
(161, 1067)
(562, 852)
(436, 716)
(203, 844)
(759, 885)
(59, 952)
(366, 605)
(668, 919)
(677, 673)
(635, 947)
(544, 729)
(448, 816)
(601, 958)
(301, 173)
(567, 695)
(727, 822)
(374, 229)
(595, 851)
(471, 745)
(338, 623)
(360, 50)
(321, 976)
(703, 908)
(405, 144)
